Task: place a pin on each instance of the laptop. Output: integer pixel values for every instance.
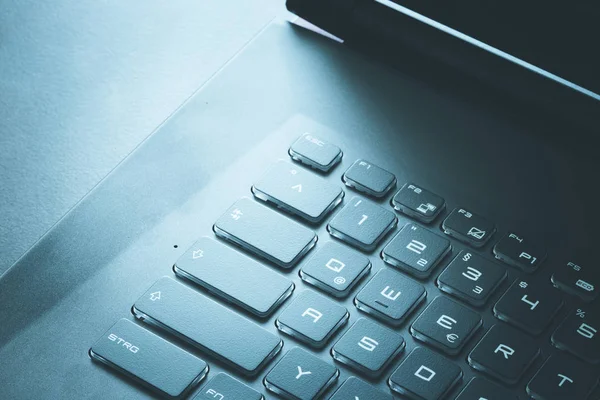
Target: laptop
(404, 208)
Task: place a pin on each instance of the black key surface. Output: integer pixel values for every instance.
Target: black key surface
(356, 389)
(207, 325)
(446, 325)
(416, 250)
(368, 178)
(265, 232)
(224, 387)
(149, 359)
(233, 276)
(362, 223)
(504, 353)
(515, 250)
(468, 227)
(530, 306)
(562, 377)
(300, 375)
(298, 191)
(579, 334)
(471, 278)
(368, 347)
(425, 375)
(315, 152)
(390, 297)
(577, 280)
(335, 269)
(418, 203)
(312, 318)
(479, 388)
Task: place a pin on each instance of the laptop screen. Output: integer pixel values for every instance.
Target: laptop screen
(562, 38)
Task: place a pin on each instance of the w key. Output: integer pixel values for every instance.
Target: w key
(298, 191)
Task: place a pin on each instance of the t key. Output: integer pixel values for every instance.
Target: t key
(362, 223)
(562, 378)
(529, 306)
(298, 191)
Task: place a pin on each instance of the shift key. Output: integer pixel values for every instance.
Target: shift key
(207, 325)
(149, 359)
(265, 232)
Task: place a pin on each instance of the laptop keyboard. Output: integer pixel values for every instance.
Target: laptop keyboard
(259, 240)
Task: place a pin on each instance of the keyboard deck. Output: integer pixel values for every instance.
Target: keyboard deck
(334, 279)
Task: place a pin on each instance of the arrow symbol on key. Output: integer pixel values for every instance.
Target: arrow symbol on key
(297, 187)
(154, 296)
(197, 254)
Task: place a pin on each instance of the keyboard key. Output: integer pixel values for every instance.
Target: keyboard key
(312, 318)
(369, 178)
(335, 269)
(578, 334)
(298, 191)
(416, 250)
(577, 280)
(479, 388)
(517, 251)
(504, 353)
(446, 325)
(300, 375)
(207, 325)
(265, 233)
(418, 203)
(530, 306)
(368, 347)
(390, 296)
(224, 387)
(149, 359)
(356, 389)
(233, 276)
(471, 278)
(468, 227)
(563, 378)
(362, 223)
(425, 375)
(314, 152)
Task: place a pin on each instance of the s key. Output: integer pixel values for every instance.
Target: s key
(149, 359)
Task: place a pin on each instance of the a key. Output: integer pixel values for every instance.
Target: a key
(416, 250)
(362, 223)
(418, 203)
(515, 250)
(149, 359)
(504, 353)
(298, 191)
(577, 280)
(368, 347)
(233, 276)
(425, 375)
(579, 334)
(312, 318)
(224, 387)
(446, 325)
(530, 306)
(300, 375)
(369, 178)
(468, 227)
(335, 269)
(314, 152)
(471, 278)
(562, 377)
(356, 389)
(390, 297)
(265, 233)
(207, 325)
(480, 388)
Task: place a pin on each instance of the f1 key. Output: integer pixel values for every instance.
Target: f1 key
(207, 325)
(149, 359)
